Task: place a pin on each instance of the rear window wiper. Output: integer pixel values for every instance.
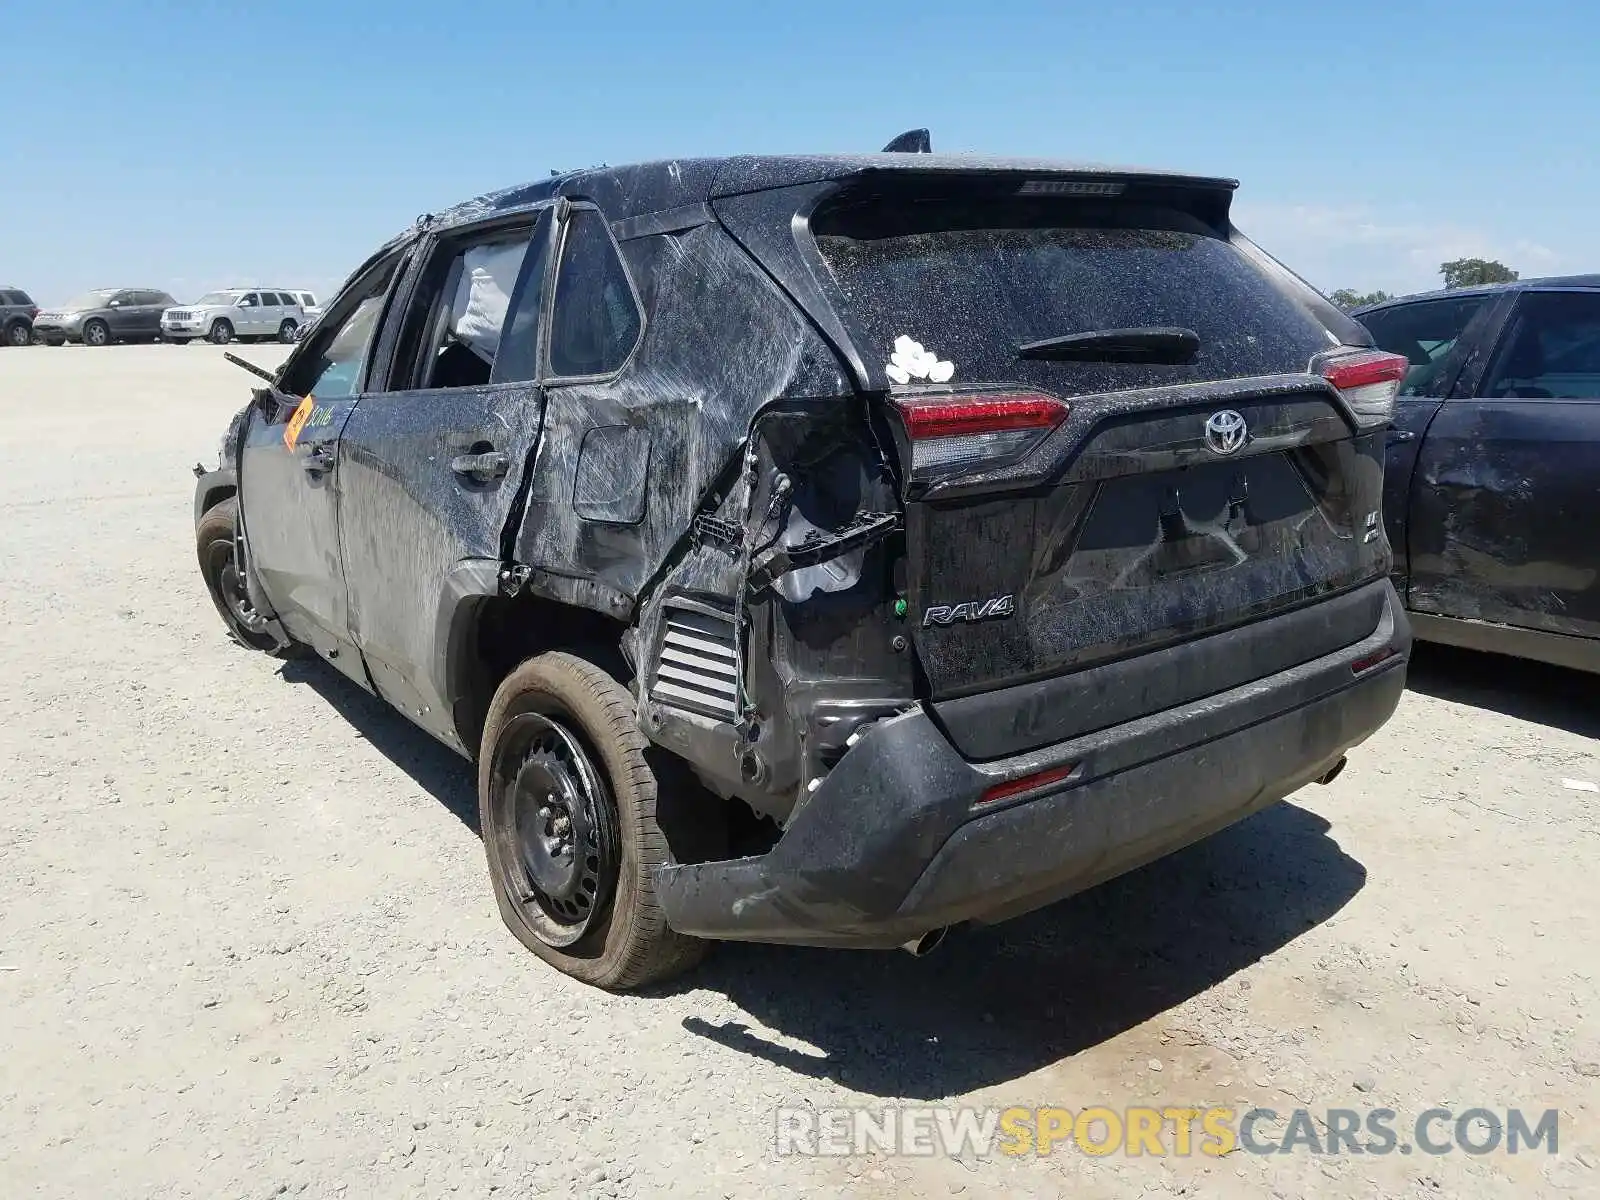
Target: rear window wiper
(1146, 345)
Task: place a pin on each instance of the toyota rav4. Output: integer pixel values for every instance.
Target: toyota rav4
(828, 550)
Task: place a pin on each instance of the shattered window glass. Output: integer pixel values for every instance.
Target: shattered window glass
(334, 368)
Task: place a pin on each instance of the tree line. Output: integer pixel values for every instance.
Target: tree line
(1459, 273)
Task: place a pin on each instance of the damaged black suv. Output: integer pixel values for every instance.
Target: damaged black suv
(828, 550)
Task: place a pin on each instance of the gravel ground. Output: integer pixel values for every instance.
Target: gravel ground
(247, 944)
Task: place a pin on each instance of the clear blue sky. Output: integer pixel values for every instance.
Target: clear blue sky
(278, 141)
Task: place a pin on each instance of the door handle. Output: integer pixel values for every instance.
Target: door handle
(318, 460)
(1396, 436)
(481, 467)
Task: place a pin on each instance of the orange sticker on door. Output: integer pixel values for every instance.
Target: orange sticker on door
(291, 431)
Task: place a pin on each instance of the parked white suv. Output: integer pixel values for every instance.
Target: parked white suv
(243, 313)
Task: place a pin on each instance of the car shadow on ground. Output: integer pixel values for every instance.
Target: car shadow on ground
(991, 1004)
(438, 770)
(1513, 687)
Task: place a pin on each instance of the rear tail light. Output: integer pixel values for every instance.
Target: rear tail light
(971, 433)
(1369, 380)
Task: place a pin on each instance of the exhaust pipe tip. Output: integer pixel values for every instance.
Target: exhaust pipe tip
(926, 944)
(1335, 771)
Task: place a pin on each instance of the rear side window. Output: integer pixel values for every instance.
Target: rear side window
(1424, 333)
(595, 320)
(1552, 350)
(974, 278)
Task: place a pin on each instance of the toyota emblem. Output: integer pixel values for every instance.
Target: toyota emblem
(1226, 432)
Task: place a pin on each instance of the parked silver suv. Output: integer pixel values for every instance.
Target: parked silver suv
(243, 313)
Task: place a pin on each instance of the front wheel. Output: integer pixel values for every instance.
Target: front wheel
(96, 333)
(214, 538)
(221, 333)
(567, 807)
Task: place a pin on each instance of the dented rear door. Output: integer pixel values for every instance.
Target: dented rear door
(1506, 484)
(433, 467)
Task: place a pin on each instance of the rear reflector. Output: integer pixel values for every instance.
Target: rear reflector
(1372, 660)
(1368, 380)
(967, 434)
(1028, 783)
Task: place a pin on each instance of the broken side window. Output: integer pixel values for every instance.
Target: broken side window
(461, 306)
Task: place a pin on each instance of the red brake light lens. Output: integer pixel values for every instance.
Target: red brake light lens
(963, 416)
(1369, 381)
(1360, 370)
(967, 434)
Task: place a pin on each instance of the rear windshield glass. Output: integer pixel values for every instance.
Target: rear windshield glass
(974, 279)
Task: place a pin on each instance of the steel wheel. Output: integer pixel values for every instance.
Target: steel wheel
(556, 833)
(221, 333)
(286, 332)
(232, 598)
(230, 586)
(225, 584)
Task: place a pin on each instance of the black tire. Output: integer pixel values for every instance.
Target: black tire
(18, 334)
(177, 341)
(96, 333)
(286, 332)
(559, 722)
(221, 332)
(213, 539)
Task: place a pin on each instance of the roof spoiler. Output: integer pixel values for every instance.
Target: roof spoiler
(912, 141)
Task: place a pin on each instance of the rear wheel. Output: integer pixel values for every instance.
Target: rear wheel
(286, 332)
(214, 539)
(96, 333)
(221, 332)
(18, 334)
(567, 807)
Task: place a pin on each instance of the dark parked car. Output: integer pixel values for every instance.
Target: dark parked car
(103, 316)
(1493, 481)
(828, 550)
(17, 311)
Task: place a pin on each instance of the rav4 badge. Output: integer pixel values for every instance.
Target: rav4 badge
(991, 609)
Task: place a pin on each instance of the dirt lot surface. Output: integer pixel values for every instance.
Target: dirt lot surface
(247, 945)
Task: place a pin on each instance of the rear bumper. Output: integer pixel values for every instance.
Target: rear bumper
(895, 842)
